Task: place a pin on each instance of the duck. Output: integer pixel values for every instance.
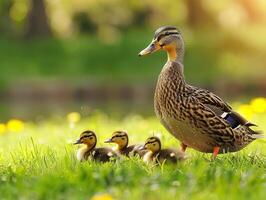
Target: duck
(90, 152)
(198, 118)
(120, 138)
(157, 155)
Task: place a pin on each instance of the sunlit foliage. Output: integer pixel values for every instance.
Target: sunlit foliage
(40, 162)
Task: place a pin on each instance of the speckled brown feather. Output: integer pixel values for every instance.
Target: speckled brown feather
(192, 115)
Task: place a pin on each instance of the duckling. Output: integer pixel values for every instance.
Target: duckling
(90, 152)
(120, 138)
(158, 155)
(198, 118)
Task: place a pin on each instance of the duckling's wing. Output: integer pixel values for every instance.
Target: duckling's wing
(167, 155)
(103, 154)
(128, 151)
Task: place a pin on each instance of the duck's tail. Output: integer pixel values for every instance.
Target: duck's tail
(257, 135)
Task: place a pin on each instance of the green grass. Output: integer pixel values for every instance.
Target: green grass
(40, 163)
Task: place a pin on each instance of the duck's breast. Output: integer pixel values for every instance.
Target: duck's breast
(189, 135)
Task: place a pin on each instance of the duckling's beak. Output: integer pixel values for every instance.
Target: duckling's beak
(77, 142)
(108, 140)
(150, 49)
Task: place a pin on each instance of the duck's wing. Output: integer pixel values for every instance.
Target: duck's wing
(219, 107)
(210, 99)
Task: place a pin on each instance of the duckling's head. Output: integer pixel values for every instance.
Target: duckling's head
(120, 138)
(170, 40)
(153, 144)
(87, 137)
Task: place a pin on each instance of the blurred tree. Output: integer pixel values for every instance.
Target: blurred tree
(37, 20)
(5, 21)
(141, 17)
(197, 14)
(84, 23)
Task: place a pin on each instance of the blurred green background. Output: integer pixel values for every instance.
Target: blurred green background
(57, 56)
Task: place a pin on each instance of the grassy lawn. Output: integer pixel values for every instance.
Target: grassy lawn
(38, 162)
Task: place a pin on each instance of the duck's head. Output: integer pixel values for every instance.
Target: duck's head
(153, 144)
(87, 137)
(170, 40)
(120, 138)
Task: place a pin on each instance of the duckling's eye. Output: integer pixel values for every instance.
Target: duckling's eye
(123, 138)
(153, 144)
(91, 138)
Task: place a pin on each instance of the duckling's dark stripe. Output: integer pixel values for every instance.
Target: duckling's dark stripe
(151, 142)
(85, 136)
(88, 132)
(118, 136)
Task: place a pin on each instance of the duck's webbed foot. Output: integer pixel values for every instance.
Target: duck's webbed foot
(215, 152)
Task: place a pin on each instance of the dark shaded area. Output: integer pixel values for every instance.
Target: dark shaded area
(37, 21)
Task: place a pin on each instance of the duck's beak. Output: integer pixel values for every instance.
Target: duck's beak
(108, 140)
(77, 142)
(153, 47)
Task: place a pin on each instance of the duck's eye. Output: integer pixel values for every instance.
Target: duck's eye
(153, 144)
(123, 138)
(91, 138)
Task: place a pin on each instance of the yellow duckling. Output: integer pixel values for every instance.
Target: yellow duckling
(90, 152)
(157, 155)
(120, 138)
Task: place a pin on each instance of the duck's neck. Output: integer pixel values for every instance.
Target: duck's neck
(175, 54)
(173, 71)
(175, 63)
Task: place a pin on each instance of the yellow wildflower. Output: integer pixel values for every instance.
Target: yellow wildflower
(258, 105)
(246, 111)
(2, 128)
(15, 125)
(102, 197)
(73, 117)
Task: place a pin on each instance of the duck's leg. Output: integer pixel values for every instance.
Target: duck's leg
(183, 147)
(215, 152)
